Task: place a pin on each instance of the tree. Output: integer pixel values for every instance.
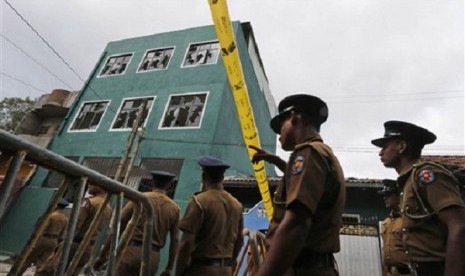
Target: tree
(12, 111)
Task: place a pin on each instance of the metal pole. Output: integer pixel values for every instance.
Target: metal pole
(9, 180)
(41, 225)
(69, 236)
(116, 230)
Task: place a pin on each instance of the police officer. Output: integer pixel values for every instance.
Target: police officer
(308, 203)
(212, 226)
(53, 233)
(433, 214)
(394, 258)
(87, 212)
(166, 220)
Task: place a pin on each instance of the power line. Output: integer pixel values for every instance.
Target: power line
(43, 39)
(396, 94)
(397, 100)
(21, 81)
(36, 61)
(55, 52)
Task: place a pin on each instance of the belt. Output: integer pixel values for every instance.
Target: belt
(140, 243)
(220, 262)
(429, 268)
(307, 258)
(50, 236)
(398, 268)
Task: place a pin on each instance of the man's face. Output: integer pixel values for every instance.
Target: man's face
(286, 134)
(390, 153)
(391, 200)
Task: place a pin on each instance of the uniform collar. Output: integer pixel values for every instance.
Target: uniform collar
(312, 138)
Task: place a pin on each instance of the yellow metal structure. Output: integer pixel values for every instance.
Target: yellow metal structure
(232, 63)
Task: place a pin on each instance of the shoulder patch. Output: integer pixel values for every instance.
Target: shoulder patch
(298, 164)
(426, 176)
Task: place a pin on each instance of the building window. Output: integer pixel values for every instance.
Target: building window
(128, 113)
(184, 111)
(202, 54)
(116, 65)
(350, 218)
(156, 59)
(89, 116)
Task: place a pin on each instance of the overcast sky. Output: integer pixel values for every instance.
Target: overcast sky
(370, 60)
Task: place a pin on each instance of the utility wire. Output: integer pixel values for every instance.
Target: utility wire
(395, 94)
(55, 52)
(21, 81)
(36, 61)
(45, 41)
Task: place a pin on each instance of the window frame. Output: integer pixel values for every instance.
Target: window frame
(79, 112)
(123, 100)
(160, 125)
(111, 56)
(201, 43)
(155, 69)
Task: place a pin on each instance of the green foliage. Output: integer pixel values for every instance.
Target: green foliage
(12, 111)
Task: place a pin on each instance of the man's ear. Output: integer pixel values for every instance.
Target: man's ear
(402, 146)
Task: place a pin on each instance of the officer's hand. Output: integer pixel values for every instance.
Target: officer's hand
(260, 155)
(167, 272)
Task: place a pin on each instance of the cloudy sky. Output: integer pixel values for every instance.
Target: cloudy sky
(371, 60)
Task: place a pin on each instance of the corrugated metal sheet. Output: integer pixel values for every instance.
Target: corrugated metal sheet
(359, 256)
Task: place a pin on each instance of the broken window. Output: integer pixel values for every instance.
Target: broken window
(184, 111)
(156, 59)
(128, 113)
(202, 54)
(116, 65)
(89, 116)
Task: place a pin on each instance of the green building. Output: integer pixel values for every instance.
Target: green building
(189, 112)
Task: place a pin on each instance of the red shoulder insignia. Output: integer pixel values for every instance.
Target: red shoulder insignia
(298, 164)
(426, 176)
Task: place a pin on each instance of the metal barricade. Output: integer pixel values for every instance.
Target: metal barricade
(76, 175)
(255, 251)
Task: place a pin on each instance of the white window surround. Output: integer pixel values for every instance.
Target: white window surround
(192, 117)
(151, 98)
(204, 55)
(115, 65)
(156, 60)
(91, 113)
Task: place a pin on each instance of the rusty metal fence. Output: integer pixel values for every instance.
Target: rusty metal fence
(76, 177)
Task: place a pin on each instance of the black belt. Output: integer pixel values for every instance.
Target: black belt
(429, 268)
(140, 243)
(50, 236)
(307, 258)
(221, 262)
(399, 268)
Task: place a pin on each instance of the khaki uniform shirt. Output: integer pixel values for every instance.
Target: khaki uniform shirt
(87, 212)
(166, 216)
(215, 218)
(391, 233)
(425, 238)
(315, 179)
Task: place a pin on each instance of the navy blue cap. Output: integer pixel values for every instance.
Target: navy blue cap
(390, 187)
(63, 203)
(162, 176)
(209, 162)
(303, 103)
(406, 131)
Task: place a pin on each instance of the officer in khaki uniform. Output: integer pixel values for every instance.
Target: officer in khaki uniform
(53, 233)
(212, 226)
(308, 204)
(166, 220)
(87, 212)
(433, 214)
(394, 258)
